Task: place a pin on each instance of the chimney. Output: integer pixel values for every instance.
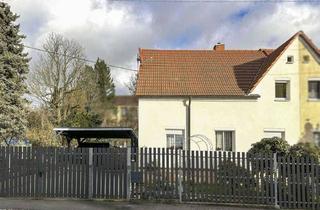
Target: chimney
(219, 47)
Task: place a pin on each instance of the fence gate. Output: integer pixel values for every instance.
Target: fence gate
(109, 171)
(63, 173)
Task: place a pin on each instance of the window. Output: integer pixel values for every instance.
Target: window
(270, 133)
(282, 90)
(290, 59)
(225, 140)
(175, 138)
(316, 136)
(124, 112)
(306, 59)
(314, 89)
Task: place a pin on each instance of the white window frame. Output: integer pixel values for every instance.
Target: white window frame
(290, 62)
(282, 81)
(313, 80)
(223, 139)
(276, 130)
(175, 133)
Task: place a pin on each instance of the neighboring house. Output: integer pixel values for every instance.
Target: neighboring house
(125, 115)
(126, 110)
(229, 99)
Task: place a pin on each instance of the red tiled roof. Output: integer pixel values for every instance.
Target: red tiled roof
(204, 72)
(197, 72)
(267, 51)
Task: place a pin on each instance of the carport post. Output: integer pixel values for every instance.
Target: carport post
(90, 184)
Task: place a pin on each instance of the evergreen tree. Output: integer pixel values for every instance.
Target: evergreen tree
(13, 70)
(105, 86)
(85, 119)
(94, 97)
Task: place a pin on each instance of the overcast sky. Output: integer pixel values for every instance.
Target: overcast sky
(114, 31)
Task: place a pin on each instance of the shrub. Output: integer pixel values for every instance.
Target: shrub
(270, 146)
(282, 148)
(234, 179)
(305, 150)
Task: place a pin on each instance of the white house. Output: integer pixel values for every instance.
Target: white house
(229, 99)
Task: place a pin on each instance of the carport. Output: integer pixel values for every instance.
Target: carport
(83, 135)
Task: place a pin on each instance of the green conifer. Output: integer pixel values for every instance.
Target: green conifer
(13, 70)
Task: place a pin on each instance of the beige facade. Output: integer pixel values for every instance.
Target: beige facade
(310, 108)
(247, 120)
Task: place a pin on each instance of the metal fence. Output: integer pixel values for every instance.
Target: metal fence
(226, 177)
(298, 182)
(63, 172)
(160, 173)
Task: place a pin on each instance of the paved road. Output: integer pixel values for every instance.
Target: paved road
(10, 204)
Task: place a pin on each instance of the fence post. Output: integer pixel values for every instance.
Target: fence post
(90, 184)
(9, 171)
(275, 180)
(128, 173)
(180, 187)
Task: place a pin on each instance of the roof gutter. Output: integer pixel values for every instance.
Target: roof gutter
(250, 96)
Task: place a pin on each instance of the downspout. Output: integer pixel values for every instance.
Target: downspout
(187, 104)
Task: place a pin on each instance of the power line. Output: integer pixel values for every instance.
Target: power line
(217, 1)
(79, 58)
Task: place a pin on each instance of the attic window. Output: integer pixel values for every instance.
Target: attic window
(290, 59)
(306, 59)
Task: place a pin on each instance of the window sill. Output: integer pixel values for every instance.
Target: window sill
(314, 100)
(281, 99)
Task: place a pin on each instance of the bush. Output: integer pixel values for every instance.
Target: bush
(235, 177)
(270, 146)
(282, 148)
(305, 150)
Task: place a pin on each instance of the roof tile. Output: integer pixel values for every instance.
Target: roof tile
(205, 72)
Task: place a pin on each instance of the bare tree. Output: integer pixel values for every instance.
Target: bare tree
(132, 84)
(55, 76)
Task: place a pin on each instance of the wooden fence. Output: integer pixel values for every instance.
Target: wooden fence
(63, 172)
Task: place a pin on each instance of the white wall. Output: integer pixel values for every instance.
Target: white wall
(248, 118)
(156, 115)
(281, 114)
(209, 115)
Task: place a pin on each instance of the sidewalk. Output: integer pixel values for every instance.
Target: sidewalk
(99, 205)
